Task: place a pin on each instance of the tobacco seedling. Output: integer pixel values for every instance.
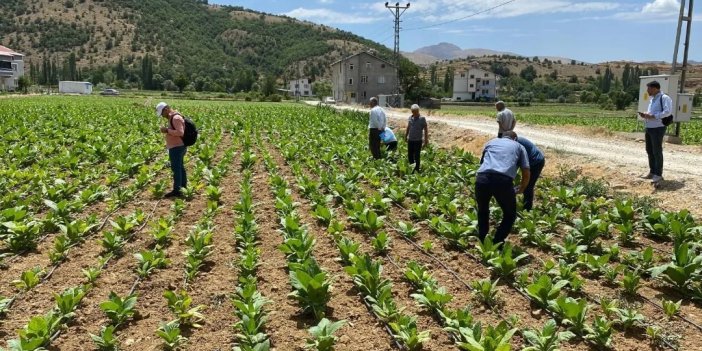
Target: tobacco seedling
(486, 291)
(119, 309)
(180, 304)
(601, 332)
(671, 308)
(546, 339)
(106, 340)
(322, 335)
(29, 279)
(170, 334)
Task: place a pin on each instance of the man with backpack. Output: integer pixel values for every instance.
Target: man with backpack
(179, 135)
(657, 117)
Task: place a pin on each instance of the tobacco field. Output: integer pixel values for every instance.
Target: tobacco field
(291, 237)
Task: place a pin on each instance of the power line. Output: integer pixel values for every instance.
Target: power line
(462, 18)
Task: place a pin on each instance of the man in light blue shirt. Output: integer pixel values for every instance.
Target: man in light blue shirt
(660, 106)
(376, 125)
(498, 168)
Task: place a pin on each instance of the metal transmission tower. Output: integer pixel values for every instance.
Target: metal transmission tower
(682, 18)
(397, 11)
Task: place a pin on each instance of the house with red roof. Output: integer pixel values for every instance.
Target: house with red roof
(11, 68)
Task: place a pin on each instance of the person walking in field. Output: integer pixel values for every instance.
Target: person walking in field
(173, 134)
(498, 167)
(417, 136)
(537, 160)
(505, 119)
(660, 106)
(376, 125)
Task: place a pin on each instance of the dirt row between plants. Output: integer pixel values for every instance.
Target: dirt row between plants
(119, 276)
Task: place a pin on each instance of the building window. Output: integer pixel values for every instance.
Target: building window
(351, 66)
(353, 95)
(382, 65)
(364, 79)
(381, 79)
(364, 95)
(297, 85)
(471, 85)
(472, 76)
(307, 86)
(478, 80)
(306, 92)
(350, 81)
(368, 65)
(486, 82)
(486, 74)
(463, 75)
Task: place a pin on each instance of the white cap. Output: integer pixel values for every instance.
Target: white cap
(160, 107)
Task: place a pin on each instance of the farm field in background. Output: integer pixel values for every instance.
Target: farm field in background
(586, 115)
(291, 236)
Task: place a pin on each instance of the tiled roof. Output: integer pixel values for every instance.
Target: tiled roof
(8, 51)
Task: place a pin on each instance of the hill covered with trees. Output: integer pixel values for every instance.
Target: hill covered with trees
(169, 44)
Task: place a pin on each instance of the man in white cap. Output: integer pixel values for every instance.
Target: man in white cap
(174, 133)
(416, 126)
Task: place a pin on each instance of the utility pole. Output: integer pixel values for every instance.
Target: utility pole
(682, 18)
(397, 11)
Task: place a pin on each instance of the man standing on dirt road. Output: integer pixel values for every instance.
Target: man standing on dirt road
(536, 165)
(505, 118)
(174, 133)
(376, 125)
(417, 136)
(659, 106)
(498, 168)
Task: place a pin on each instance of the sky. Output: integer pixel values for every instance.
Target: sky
(590, 31)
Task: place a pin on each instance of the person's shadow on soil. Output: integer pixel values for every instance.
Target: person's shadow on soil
(670, 185)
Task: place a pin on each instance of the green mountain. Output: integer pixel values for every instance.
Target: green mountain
(145, 42)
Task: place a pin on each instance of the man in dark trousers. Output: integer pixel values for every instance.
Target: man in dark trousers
(417, 136)
(660, 106)
(376, 125)
(498, 168)
(536, 165)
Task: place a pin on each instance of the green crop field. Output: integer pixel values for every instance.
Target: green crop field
(580, 115)
(290, 236)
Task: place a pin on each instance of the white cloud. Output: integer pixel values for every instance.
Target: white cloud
(325, 1)
(656, 11)
(330, 17)
(662, 7)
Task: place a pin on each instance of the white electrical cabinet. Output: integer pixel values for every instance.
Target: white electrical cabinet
(684, 112)
(669, 86)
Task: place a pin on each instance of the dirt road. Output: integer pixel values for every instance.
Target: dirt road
(616, 158)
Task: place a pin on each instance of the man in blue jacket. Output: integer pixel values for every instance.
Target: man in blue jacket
(536, 165)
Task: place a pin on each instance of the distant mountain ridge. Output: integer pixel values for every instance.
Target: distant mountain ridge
(447, 51)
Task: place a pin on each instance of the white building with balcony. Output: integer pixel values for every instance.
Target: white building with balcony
(300, 87)
(11, 69)
(474, 84)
